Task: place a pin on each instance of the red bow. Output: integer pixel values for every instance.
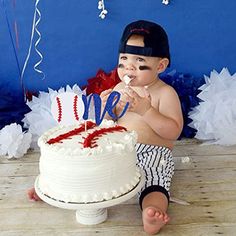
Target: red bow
(102, 81)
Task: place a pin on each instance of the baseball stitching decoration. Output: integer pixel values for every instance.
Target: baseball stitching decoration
(90, 140)
(67, 108)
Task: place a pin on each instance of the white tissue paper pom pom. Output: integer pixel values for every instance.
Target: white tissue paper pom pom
(40, 118)
(14, 142)
(215, 116)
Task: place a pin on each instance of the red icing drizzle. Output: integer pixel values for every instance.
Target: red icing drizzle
(73, 132)
(59, 109)
(89, 141)
(75, 107)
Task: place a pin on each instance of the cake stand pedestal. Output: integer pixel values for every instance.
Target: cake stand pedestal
(89, 213)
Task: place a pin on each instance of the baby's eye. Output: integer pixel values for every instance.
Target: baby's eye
(123, 58)
(140, 59)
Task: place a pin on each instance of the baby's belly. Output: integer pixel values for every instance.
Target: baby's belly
(145, 134)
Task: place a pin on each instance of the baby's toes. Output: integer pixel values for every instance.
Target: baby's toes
(151, 212)
(166, 218)
(30, 193)
(160, 216)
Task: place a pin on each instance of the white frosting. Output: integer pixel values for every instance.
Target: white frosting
(127, 79)
(72, 173)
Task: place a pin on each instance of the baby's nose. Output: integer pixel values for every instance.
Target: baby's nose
(130, 66)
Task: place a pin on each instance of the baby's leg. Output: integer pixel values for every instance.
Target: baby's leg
(154, 214)
(158, 166)
(33, 195)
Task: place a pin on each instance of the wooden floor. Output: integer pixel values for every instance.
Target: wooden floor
(207, 182)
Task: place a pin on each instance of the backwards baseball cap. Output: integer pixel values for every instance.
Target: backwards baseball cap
(155, 40)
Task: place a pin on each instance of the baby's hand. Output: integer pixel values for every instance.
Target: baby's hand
(104, 96)
(138, 104)
(124, 98)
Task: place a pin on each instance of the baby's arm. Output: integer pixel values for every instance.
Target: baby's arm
(166, 119)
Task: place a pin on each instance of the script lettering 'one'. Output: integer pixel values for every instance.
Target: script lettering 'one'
(112, 101)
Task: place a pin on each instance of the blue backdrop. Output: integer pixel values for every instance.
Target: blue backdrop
(75, 42)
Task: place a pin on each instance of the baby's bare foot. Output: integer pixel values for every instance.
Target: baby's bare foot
(154, 219)
(33, 195)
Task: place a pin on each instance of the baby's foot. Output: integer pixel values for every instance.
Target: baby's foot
(154, 219)
(33, 195)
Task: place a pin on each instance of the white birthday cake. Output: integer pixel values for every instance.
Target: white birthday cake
(88, 163)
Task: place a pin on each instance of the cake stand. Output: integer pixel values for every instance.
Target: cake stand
(89, 213)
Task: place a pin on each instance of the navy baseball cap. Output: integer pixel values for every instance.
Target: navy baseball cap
(155, 40)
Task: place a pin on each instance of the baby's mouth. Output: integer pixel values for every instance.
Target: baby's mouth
(128, 78)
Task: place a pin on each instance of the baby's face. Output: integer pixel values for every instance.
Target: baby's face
(142, 70)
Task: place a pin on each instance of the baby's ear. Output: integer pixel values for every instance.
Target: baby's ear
(163, 63)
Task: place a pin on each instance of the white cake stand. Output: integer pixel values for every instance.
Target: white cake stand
(89, 213)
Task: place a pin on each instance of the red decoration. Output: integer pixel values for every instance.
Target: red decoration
(102, 81)
(75, 107)
(89, 141)
(73, 132)
(59, 109)
(29, 95)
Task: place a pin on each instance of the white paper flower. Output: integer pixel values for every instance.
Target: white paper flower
(14, 142)
(40, 118)
(215, 117)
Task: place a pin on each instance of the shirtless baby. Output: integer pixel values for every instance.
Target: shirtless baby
(154, 113)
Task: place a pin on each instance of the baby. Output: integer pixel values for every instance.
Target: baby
(154, 113)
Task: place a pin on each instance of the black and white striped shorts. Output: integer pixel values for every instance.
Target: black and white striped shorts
(158, 166)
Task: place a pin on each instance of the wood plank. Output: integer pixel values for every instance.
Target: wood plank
(177, 230)
(197, 150)
(191, 194)
(204, 192)
(207, 176)
(10, 188)
(30, 156)
(22, 168)
(187, 185)
(19, 169)
(120, 219)
(205, 162)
